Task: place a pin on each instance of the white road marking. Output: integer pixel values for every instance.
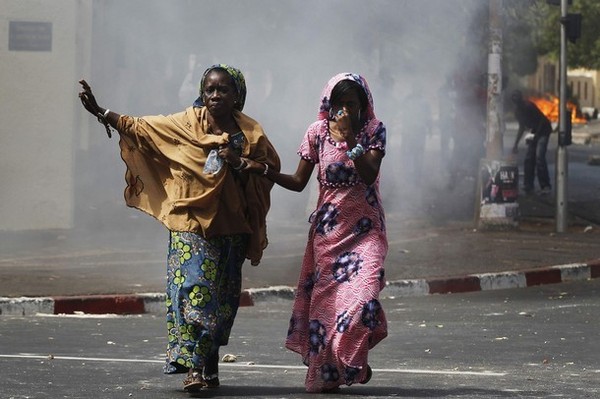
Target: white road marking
(253, 365)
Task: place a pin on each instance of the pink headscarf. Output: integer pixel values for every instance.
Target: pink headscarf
(326, 94)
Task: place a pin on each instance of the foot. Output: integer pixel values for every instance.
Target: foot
(212, 381)
(546, 190)
(211, 371)
(369, 375)
(193, 382)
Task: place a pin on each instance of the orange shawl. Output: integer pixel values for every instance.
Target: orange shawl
(165, 156)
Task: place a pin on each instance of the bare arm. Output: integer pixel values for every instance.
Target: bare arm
(518, 138)
(367, 165)
(294, 182)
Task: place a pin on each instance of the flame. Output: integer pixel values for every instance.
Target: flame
(549, 107)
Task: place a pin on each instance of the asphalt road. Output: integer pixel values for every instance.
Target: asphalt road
(537, 342)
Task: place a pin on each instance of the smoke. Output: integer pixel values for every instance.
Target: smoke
(407, 50)
(423, 59)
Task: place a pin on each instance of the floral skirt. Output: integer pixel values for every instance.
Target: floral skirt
(204, 280)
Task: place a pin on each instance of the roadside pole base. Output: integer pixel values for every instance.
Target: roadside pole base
(499, 216)
(497, 195)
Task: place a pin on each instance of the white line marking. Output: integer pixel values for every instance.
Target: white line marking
(239, 365)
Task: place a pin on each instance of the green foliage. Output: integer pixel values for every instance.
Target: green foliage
(522, 19)
(585, 53)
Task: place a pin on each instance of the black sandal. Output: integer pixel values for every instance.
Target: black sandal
(212, 381)
(211, 371)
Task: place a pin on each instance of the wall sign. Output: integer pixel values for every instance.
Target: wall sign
(29, 36)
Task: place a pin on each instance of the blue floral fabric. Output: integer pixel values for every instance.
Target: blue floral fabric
(204, 279)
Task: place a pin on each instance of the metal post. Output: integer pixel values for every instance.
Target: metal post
(561, 151)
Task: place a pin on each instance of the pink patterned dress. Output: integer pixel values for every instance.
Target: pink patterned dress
(337, 317)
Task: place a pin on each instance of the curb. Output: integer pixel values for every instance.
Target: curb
(154, 303)
(92, 304)
(495, 281)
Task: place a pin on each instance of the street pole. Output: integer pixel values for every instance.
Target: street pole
(494, 85)
(496, 202)
(561, 150)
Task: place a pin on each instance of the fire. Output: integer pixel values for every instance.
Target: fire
(549, 107)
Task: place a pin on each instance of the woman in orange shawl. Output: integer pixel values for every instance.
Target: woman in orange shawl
(189, 171)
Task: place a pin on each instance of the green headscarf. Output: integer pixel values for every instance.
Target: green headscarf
(238, 79)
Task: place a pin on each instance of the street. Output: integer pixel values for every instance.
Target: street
(535, 342)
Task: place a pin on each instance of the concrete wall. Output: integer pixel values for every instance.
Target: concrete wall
(40, 110)
(586, 86)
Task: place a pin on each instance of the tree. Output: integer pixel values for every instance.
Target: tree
(585, 53)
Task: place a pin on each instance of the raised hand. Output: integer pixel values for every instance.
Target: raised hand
(88, 100)
(89, 103)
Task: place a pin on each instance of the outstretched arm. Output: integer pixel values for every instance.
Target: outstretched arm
(295, 182)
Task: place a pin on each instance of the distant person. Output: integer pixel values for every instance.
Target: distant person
(531, 118)
(189, 171)
(337, 316)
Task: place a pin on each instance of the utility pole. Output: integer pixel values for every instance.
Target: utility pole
(494, 125)
(570, 29)
(497, 184)
(561, 150)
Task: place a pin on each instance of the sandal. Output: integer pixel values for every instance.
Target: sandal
(369, 375)
(193, 382)
(212, 381)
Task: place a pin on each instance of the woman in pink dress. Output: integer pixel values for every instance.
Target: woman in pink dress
(337, 317)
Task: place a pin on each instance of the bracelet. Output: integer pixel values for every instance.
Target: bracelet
(242, 165)
(102, 119)
(266, 169)
(355, 152)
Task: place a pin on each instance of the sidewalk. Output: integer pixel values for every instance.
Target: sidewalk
(119, 273)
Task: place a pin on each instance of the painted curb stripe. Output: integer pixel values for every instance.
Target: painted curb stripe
(99, 304)
(154, 303)
(544, 276)
(116, 304)
(594, 269)
(454, 285)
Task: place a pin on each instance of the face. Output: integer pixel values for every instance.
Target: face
(219, 93)
(350, 103)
